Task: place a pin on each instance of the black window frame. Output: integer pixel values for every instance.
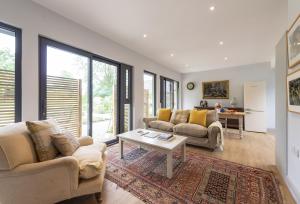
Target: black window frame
(163, 81)
(18, 68)
(155, 91)
(44, 42)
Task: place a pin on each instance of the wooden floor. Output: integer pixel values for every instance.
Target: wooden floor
(255, 149)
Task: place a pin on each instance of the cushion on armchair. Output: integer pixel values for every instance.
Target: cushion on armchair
(41, 132)
(66, 143)
(90, 159)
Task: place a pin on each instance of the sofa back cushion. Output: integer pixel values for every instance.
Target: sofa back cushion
(164, 114)
(211, 116)
(180, 116)
(16, 146)
(41, 132)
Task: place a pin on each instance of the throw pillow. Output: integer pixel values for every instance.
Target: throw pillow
(41, 132)
(180, 116)
(164, 114)
(198, 117)
(66, 143)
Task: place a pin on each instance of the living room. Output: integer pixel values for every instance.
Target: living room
(130, 73)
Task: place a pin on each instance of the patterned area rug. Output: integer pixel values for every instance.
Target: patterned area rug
(201, 179)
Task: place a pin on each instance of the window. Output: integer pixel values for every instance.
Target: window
(169, 93)
(84, 91)
(10, 74)
(149, 94)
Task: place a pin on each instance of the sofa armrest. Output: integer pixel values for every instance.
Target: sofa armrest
(48, 181)
(215, 135)
(85, 140)
(148, 120)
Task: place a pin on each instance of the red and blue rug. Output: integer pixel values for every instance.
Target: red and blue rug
(201, 179)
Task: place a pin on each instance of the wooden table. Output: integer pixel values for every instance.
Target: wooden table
(233, 115)
(166, 147)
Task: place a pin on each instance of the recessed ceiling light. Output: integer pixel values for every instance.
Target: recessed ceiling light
(172, 55)
(221, 43)
(225, 58)
(212, 8)
(145, 35)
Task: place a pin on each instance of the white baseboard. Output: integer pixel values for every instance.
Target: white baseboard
(292, 189)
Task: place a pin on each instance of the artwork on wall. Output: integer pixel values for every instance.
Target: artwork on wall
(215, 89)
(293, 42)
(293, 86)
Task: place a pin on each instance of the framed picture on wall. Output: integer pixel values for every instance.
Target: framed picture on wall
(215, 89)
(293, 43)
(293, 91)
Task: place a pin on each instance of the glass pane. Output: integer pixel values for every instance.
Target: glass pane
(176, 95)
(7, 77)
(67, 96)
(149, 99)
(104, 101)
(168, 95)
(127, 109)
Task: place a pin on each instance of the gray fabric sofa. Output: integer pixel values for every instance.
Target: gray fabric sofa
(209, 137)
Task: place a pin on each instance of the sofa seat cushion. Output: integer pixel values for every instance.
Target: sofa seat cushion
(190, 130)
(90, 160)
(162, 125)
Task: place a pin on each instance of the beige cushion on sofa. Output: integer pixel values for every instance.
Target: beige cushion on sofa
(41, 132)
(161, 125)
(190, 130)
(180, 116)
(16, 146)
(66, 143)
(90, 159)
(211, 116)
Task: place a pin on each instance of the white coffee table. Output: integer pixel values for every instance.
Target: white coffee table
(166, 147)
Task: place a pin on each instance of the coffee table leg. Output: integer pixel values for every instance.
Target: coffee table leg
(183, 150)
(169, 164)
(121, 148)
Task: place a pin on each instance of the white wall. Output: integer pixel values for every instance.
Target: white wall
(237, 77)
(34, 20)
(287, 123)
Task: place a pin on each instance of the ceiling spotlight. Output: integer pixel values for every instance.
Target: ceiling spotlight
(221, 43)
(172, 55)
(145, 35)
(212, 8)
(225, 58)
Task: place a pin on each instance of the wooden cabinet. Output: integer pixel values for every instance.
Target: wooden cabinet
(231, 123)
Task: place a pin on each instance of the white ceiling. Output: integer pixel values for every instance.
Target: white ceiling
(249, 28)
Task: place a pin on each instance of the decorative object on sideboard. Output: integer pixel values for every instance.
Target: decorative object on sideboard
(215, 89)
(233, 102)
(293, 42)
(190, 86)
(293, 90)
(203, 104)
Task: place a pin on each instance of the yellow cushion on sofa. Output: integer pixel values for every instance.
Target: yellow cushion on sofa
(198, 117)
(164, 114)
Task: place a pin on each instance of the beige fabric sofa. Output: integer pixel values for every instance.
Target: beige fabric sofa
(210, 137)
(24, 180)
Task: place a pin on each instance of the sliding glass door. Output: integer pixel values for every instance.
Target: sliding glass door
(169, 93)
(105, 100)
(149, 94)
(10, 74)
(82, 91)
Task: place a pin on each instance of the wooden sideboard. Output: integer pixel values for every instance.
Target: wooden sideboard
(231, 123)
